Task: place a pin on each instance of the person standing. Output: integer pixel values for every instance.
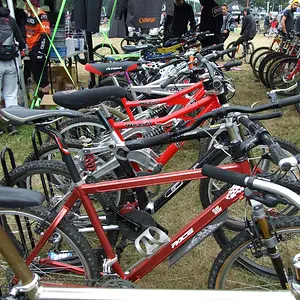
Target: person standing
(273, 27)
(287, 21)
(212, 20)
(9, 32)
(267, 22)
(183, 15)
(228, 23)
(38, 44)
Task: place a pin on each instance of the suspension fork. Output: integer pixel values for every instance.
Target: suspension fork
(250, 153)
(270, 242)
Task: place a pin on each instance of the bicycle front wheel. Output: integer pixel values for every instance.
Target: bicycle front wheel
(249, 49)
(231, 270)
(66, 246)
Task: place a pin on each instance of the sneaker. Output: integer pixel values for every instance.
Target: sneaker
(2, 131)
(12, 130)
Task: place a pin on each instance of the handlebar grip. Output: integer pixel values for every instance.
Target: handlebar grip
(204, 33)
(273, 115)
(148, 142)
(167, 82)
(227, 66)
(248, 124)
(226, 51)
(288, 101)
(224, 175)
(281, 158)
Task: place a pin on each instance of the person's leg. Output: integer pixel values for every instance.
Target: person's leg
(40, 73)
(239, 41)
(10, 90)
(2, 72)
(10, 84)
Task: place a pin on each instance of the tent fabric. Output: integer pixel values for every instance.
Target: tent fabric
(87, 14)
(170, 7)
(117, 27)
(143, 13)
(235, 8)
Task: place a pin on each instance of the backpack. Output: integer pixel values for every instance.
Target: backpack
(8, 47)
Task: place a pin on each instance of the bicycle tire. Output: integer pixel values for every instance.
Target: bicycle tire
(110, 49)
(207, 196)
(262, 70)
(230, 45)
(257, 62)
(49, 150)
(231, 259)
(255, 53)
(249, 51)
(283, 83)
(58, 180)
(89, 126)
(32, 222)
(271, 67)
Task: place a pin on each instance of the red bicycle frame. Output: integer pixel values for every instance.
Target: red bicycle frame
(198, 101)
(193, 227)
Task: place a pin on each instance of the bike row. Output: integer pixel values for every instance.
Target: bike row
(102, 178)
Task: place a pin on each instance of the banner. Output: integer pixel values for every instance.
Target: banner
(144, 13)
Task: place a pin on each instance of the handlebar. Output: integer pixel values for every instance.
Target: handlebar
(251, 182)
(284, 161)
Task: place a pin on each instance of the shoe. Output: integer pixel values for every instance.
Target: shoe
(2, 131)
(12, 130)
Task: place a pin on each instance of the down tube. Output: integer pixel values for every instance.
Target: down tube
(193, 229)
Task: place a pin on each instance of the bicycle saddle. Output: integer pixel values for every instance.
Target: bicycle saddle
(110, 68)
(19, 115)
(19, 198)
(133, 48)
(89, 97)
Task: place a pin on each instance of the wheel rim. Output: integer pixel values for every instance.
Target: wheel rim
(236, 275)
(28, 227)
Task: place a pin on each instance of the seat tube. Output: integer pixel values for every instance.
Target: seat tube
(65, 153)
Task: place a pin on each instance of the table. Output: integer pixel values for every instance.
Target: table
(65, 57)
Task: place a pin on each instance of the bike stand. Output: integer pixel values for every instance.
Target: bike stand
(3, 153)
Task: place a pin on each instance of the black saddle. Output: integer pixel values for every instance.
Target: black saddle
(133, 48)
(85, 98)
(19, 115)
(19, 198)
(110, 68)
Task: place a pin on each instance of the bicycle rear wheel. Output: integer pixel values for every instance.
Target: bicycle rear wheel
(249, 48)
(257, 62)
(255, 53)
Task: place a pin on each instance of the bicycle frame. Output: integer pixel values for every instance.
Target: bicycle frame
(198, 101)
(195, 226)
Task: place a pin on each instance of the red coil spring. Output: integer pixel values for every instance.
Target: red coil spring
(90, 162)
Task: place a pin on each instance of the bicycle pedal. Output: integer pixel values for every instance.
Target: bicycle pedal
(150, 241)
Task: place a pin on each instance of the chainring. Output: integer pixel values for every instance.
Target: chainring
(142, 218)
(115, 283)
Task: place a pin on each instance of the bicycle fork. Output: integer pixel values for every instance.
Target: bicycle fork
(270, 242)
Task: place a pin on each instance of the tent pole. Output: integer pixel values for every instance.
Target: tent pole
(89, 40)
(22, 86)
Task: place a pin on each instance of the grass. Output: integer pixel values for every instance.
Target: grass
(192, 271)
